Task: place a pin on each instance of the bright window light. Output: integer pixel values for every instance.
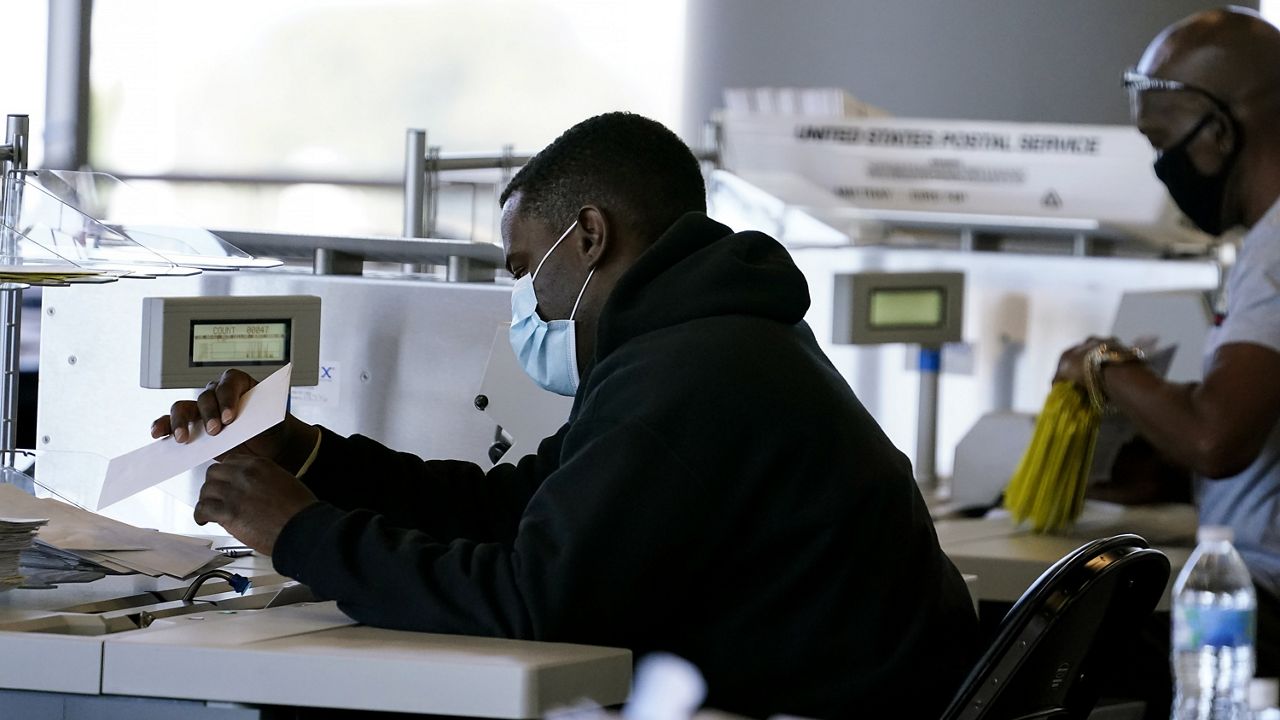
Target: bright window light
(329, 86)
(1270, 10)
(24, 88)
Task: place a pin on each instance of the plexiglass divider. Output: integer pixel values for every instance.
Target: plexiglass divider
(61, 228)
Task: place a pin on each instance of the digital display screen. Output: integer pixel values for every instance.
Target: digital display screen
(907, 307)
(229, 343)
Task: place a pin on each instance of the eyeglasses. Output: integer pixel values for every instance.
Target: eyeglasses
(1136, 82)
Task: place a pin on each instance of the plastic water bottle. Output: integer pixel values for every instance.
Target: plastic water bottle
(1214, 606)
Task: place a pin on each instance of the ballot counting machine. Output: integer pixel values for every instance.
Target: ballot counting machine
(398, 348)
(385, 348)
(1052, 226)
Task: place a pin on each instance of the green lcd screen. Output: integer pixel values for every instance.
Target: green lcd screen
(230, 342)
(907, 307)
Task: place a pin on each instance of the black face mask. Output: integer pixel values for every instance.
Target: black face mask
(1199, 196)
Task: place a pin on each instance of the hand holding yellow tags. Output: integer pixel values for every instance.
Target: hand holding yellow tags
(1049, 483)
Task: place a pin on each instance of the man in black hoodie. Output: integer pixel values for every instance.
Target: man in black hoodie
(718, 491)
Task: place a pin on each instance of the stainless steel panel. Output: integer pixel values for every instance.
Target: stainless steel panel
(404, 361)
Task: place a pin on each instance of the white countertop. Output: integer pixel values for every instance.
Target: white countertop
(304, 654)
(1007, 558)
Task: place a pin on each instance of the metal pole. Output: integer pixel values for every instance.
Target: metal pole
(17, 130)
(458, 269)
(66, 112)
(415, 169)
(415, 176)
(10, 339)
(431, 202)
(326, 261)
(712, 144)
(13, 161)
(927, 420)
(506, 166)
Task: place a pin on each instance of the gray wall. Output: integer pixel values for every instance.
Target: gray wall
(1021, 60)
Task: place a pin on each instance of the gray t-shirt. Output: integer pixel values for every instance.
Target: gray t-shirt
(1250, 501)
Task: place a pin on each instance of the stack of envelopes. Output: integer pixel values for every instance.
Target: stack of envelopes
(16, 536)
(78, 540)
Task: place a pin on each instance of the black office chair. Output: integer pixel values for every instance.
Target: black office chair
(1060, 638)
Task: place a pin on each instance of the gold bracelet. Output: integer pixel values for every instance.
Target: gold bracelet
(1098, 358)
(1097, 397)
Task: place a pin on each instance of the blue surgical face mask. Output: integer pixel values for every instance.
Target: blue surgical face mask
(546, 349)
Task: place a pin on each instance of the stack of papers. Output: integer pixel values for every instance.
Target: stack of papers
(78, 546)
(78, 540)
(16, 536)
(45, 566)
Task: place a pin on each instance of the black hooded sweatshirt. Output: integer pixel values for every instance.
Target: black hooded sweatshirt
(718, 492)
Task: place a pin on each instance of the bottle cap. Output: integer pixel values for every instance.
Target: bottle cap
(1264, 693)
(1215, 533)
(666, 686)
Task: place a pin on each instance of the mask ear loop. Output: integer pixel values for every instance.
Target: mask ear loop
(580, 294)
(1191, 134)
(554, 245)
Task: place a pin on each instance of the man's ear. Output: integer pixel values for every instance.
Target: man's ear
(595, 237)
(1224, 133)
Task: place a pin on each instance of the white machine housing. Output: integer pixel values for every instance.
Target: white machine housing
(402, 362)
(1000, 177)
(1076, 210)
(257, 334)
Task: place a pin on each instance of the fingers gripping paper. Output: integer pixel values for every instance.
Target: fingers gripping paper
(261, 408)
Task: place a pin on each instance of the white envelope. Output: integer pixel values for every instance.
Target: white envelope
(261, 408)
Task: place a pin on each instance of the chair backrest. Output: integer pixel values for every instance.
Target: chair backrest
(1060, 638)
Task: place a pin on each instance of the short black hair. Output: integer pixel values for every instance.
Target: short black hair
(620, 161)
